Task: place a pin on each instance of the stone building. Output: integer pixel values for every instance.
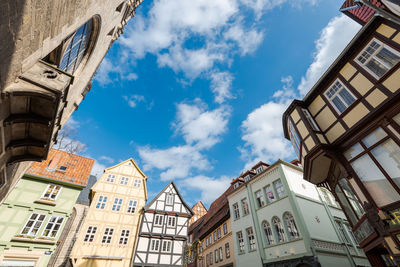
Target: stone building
(278, 219)
(346, 131)
(49, 51)
(199, 210)
(108, 233)
(36, 211)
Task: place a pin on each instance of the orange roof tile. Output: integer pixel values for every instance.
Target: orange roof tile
(63, 166)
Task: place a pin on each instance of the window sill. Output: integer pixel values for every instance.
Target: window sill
(45, 201)
(253, 250)
(33, 240)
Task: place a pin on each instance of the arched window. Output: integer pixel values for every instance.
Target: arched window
(76, 48)
(279, 231)
(269, 237)
(291, 227)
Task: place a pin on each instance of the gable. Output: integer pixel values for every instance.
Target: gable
(127, 167)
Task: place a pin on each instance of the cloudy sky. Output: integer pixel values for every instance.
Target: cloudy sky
(194, 91)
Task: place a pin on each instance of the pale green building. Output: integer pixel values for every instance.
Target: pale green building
(35, 212)
(279, 219)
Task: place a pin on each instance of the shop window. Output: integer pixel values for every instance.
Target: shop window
(378, 58)
(339, 96)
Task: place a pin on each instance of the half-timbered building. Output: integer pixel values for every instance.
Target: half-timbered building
(164, 230)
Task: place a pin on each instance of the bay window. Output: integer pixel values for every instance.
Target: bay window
(294, 138)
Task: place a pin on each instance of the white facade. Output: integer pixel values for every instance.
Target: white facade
(163, 230)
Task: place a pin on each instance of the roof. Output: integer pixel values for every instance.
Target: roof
(63, 166)
(134, 164)
(359, 12)
(199, 203)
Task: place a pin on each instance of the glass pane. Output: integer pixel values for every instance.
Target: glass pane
(388, 155)
(388, 57)
(347, 97)
(338, 104)
(348, 191)
(375, 182)
(353, 151)
(346, 205)
(376, 67)
(374, 137)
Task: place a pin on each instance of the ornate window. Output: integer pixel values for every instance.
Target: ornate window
(91, 231)
(279, 231)
(269, 237)
(33, 224)
(108, 233)
(378, 58)
(339, 96)
(101, 203)
(123, 240)
(53, 226)
(291, 226)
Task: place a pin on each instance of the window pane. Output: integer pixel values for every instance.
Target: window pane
(338, 104)
(387, 57)
(346, 205)
(376, 67)
(376, 183)
(347, 97)
(352, 198)
(374, 137)
(388, 155)
(353, 151)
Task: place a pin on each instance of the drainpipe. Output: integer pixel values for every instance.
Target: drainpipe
(328, 211)
(254, 217)
(379, 11)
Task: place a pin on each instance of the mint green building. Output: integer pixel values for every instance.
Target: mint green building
(35, 212)
(279, 219)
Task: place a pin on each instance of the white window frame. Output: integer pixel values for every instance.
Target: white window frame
(236, 211)
(171, 221)
(124, 180)
(158, 220)
(311, 120)
(35, 221)
(247, 178)
(117, 204)
(110, 178)
(259, 170)
(52, 190)
(281, 186)
(132, 204)
(101, 202)
(90, 234)
(124, 237)
(251, 239)
(166, 246)
(240, 241)
(330, 99)
(373, 56)
(53, 225)
(137, 183)
(107, 235)
(169, 199)
(245, 203)
(154, 245)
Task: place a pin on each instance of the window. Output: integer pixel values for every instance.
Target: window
(207, 244)
(155, 245)
(236, 211)
(269, 193)
(110, 178)
(225, 226)
(294, 138)
(216, 255)
(235, 185)
(132, 206)
(280, 233)
(339, 96)
(269, 238)
(259, 170)
(63, 168)
(158, 220)
(198, 209)
(170, 199)
(171, 221)
(123, 240)
(77, 48)
(374, 153)
(108, 232)
(52, 227)
(211, 258)
(33, 224)
(91, 231)
(350, 232)
(215, 236)
(101, 203)
(280, 190)
(247, 178)
(310, 119)
(137, 183)
(260, 199)
(221, 256)
(166, 246)
(327, 196)
(124, 180)
(251, 239)
(291, 226)
(342, 232)
(219, 233)
(245, 207)
(378, 58)
(240, 241)
(51, 192)
(227, 251)
(117, 204)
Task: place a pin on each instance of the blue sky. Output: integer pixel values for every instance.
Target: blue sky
(194, 90)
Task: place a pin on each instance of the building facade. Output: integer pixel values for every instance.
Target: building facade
(199, 210)
(163, 231)
(50, 51)
(278, 219)
(36, 211)
(346, 133)
(108, 234)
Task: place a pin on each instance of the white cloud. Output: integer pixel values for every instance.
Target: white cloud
(107, 70)
(133, 100)
(107, 159)
(221, 85)
(333, 39)
(97, 169)
(247, 40)
(210, 188)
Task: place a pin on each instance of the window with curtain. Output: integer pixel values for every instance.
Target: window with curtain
(291, 226)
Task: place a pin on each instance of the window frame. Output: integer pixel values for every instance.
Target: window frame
(236, 211)
(110, 178)
(52, 191)
(90, 234)
(240, 242)
(278, 232)
(275, 189)
(132, 205)
(169, 199)
(251, 239)
(290, 225)
(107, 235)
(29, 233)
(117, 205)
(168, 246)
(160, 221)
(101, 202)
(124, 237)
(227, 251)
(53, 226)
(124, 180)
(171, 219)
(225, 227)
(294, 138)
(137, 183)
(337, 93)
(311, 120)
(156, 246)
(260, 198)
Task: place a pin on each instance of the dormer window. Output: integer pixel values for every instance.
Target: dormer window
(247, 178)
(259, 170)
(51, 192)
(235, 185)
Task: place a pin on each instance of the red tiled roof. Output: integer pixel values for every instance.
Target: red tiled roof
(363, 13)
(77, 170)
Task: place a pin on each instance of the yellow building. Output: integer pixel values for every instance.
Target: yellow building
(108, 234)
